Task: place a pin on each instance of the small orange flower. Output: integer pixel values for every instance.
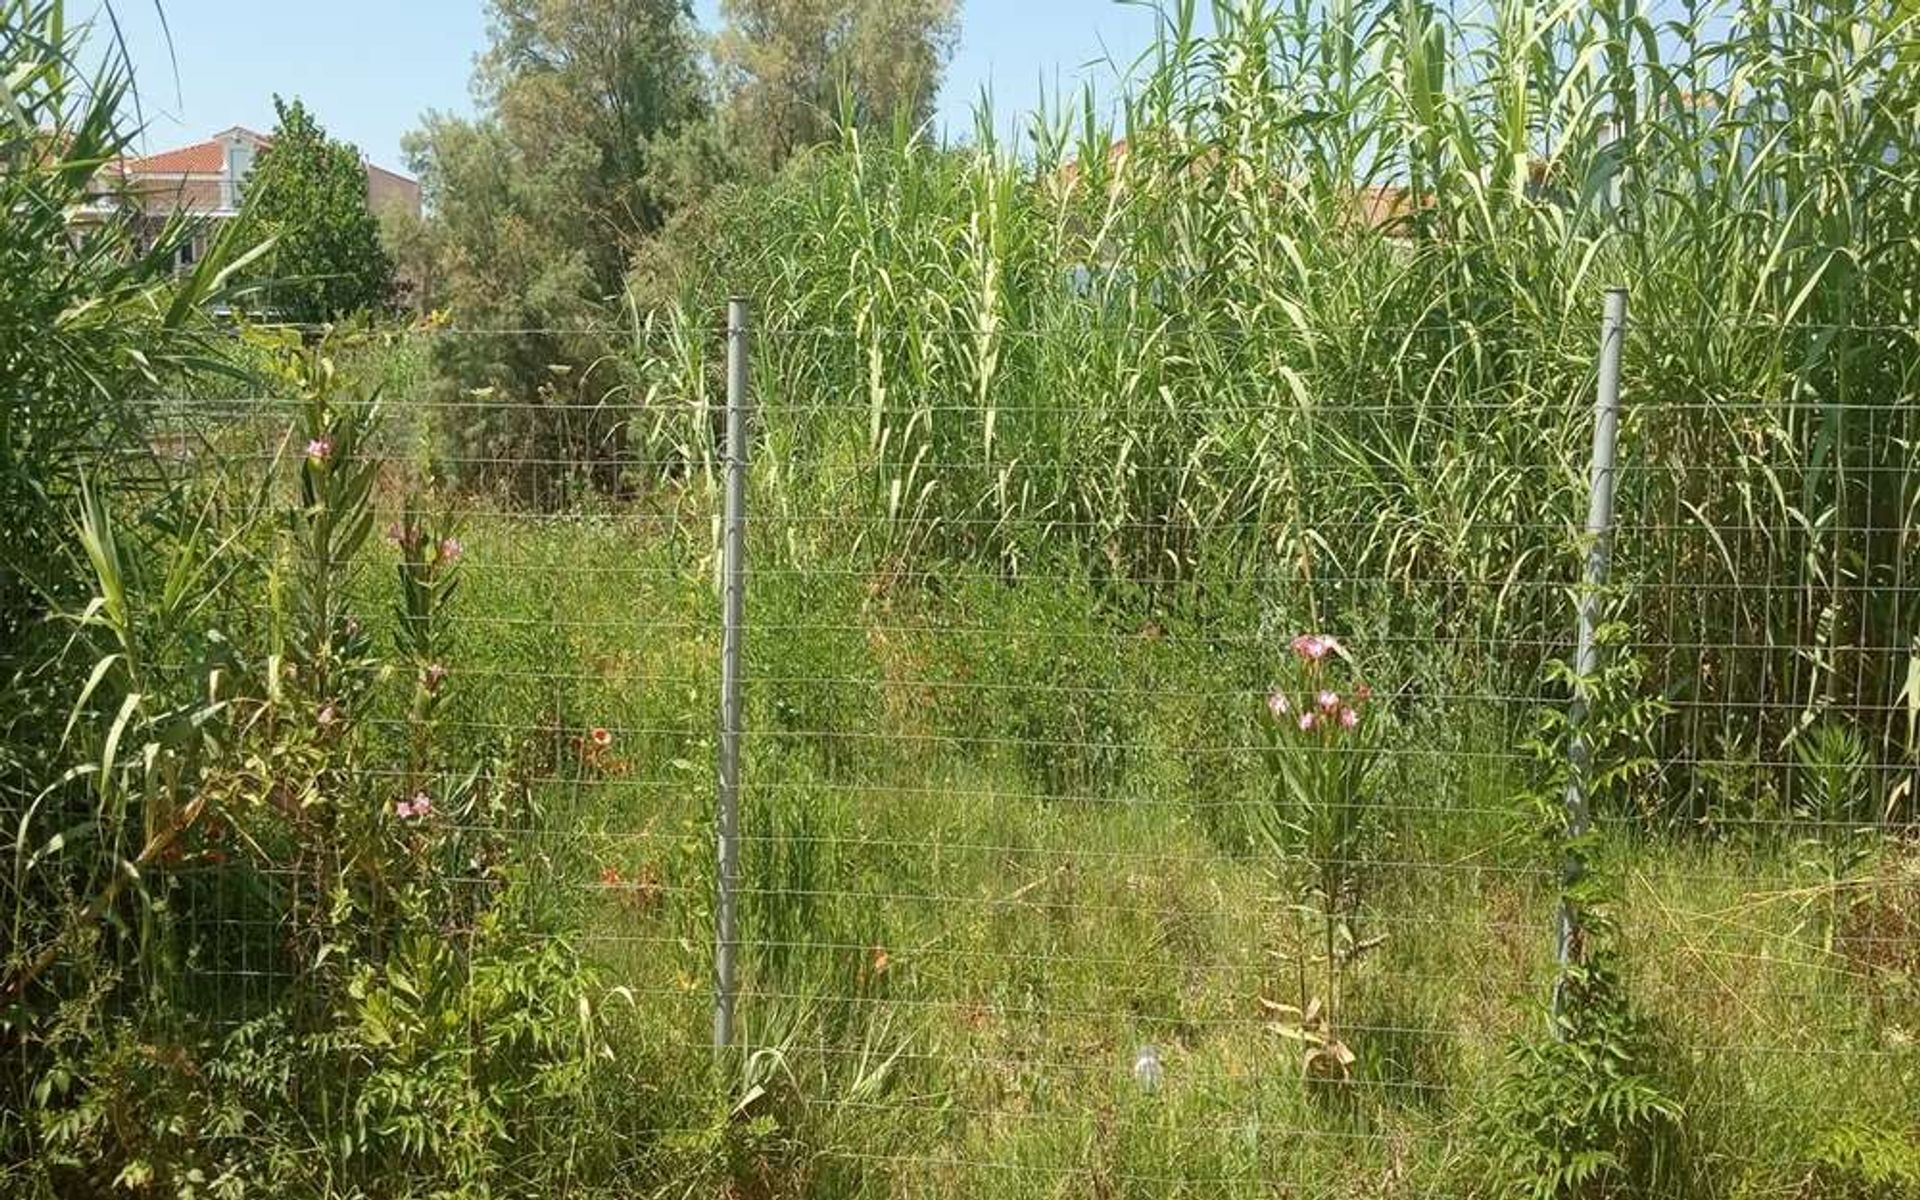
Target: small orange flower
(601, 737)
(881, 960)
(610, 876)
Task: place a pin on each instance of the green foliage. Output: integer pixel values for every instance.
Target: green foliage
(1062, 699)
(1048, 443)
(307, 197)
(537, 205)
(1171, 369)
(796, 71)
(231, 778)
(1835, 810)
(94, 322)
(1854, 1162)
(824, 691)
(1591, 1110)
(1588, 1111)
(1602, 739)
(580, 91)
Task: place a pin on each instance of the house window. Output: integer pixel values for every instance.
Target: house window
(239, 162)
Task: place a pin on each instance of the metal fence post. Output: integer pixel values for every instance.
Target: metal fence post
(1606, 427)
(733, 602)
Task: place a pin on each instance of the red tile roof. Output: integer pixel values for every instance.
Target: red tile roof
(201, 158)
(210, 158)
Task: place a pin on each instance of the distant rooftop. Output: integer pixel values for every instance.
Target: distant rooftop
(201, 158)
(210, 157)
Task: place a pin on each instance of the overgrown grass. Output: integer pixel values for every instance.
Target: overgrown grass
(1194, 350)
(953, 962)
(1055, 452)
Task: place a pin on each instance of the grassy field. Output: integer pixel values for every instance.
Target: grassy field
(962, 925)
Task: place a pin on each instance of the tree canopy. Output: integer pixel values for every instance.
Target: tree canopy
(603, 126)
(794, 69)
(308, 193)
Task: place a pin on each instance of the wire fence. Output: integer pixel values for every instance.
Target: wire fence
(1119, 790)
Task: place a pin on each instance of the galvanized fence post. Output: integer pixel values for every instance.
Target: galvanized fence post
(1606, 428)
(733, 553)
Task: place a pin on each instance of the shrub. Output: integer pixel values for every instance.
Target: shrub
(274, 939)
(95, 327)
(1322, 753)
(1586, 1112)
(1856, 1162)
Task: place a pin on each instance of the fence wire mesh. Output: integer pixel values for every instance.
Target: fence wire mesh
(1155, 784)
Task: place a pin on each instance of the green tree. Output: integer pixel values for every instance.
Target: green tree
(792, 69)
(308, 193)
(538, 205)
(586, 93)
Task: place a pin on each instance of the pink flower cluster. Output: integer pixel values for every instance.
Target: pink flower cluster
(320, 449)
(1323, 708)
(1312, 647)
(419, 806)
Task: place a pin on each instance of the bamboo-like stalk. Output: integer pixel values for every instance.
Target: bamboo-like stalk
(1313, 304)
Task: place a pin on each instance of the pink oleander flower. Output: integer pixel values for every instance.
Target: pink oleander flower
(1311, 647)
(1307, 722)
(1349, 719)
(320, 449)
(419, 806)
(451, 550)
(1278, 704)
(1328, 701)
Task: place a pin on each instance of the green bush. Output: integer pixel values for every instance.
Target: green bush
(406, 1007)
(1856, 1162)
(1587, 1111)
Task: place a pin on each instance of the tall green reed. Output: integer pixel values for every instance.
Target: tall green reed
(1311, 314)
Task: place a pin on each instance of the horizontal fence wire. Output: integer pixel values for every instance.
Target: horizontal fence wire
(1052, 824)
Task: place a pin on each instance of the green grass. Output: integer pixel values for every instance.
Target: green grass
(956, 960)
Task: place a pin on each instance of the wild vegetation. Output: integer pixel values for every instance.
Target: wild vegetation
(306, 200)
(1161, 546)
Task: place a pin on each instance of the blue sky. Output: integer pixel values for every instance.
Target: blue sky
(369, 68)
